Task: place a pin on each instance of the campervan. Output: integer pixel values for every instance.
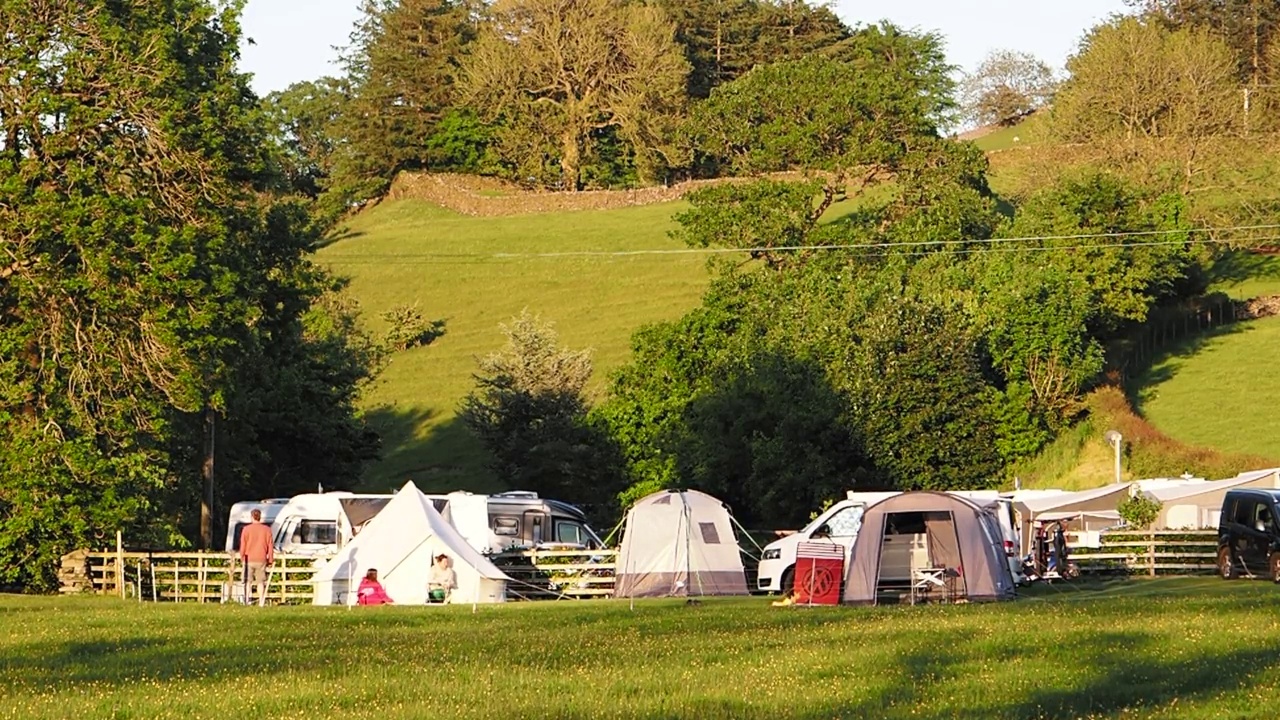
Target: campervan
(320, 524)
(242, 514)
(840, 523)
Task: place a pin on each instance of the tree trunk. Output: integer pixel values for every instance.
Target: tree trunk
(571, 157)
(206, 497)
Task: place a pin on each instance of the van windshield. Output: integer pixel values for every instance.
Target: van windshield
(845, 522)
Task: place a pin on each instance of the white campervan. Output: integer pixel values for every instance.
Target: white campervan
(241, 514)
(840, 524)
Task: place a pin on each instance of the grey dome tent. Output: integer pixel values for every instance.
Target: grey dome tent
(928, 531)
(679, 543)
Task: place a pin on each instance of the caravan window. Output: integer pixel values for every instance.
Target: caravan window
(316, 532)
(506, 525)
(235, 535)
(569, 532)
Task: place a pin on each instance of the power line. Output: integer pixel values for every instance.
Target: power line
(981, 245)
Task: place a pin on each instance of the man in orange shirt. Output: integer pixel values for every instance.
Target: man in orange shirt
(256, 552)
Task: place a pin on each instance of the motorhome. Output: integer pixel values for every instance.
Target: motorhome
(321, 523)
(840, 523)
(241, 514)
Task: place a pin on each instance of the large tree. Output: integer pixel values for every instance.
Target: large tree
(1149, 92)
(556, 74)
(1250, 27)
(400, 75)
(1006, 87)
(145, 262)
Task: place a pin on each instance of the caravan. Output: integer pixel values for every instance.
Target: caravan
(322, 523)
(242, 514)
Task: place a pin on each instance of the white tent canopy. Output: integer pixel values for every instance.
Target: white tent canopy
(400, 542)
(679, 543)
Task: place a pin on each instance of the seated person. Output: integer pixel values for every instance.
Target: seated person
(441, 580)
(371, 591)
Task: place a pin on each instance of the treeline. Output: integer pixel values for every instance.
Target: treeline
(166, 344)
(920, 336)
(589, 94)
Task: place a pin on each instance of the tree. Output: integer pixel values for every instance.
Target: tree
(916, 60)
(811, 114)
(1139, 511)
(723, 39)
(1250, 28)
(303, 121)
(1151, 93)
(400, 73)
(1006, 87)
(146, 264)
(553, 73)
(530, 411)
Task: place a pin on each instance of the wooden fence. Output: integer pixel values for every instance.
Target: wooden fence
(1149, 552)
(218, 577)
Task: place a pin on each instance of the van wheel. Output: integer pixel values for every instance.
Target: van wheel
(1227, 568)
(788, 582)
(1275, 567)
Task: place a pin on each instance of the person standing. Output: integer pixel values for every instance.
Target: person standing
(257, 553)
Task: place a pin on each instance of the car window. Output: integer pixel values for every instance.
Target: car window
(568, 532)
(1246, 511)
(1263, 517)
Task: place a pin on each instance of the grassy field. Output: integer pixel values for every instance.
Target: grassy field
(1219, 390)
(449, 265)
(1168, 648)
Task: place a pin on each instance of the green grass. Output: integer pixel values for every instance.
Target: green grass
(410, 252)
(1028, 133)
(1167, 648)
(1219, 390)
(1244, 275)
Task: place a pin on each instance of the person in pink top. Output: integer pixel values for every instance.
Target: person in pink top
(371, 591)
(257, 553)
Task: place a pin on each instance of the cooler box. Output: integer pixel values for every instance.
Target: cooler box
(819, 572)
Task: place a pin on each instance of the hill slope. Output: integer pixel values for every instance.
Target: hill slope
(410, 252)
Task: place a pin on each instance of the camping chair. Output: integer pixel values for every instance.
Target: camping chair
(925, 579)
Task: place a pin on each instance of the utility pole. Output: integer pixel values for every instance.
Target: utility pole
(206, 497)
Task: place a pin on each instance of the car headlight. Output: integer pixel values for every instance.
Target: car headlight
(774, 554)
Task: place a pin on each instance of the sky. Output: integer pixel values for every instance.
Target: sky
(294, 40)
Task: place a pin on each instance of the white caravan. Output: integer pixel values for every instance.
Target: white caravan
(242, 514)
(320, 524)
(840, 524)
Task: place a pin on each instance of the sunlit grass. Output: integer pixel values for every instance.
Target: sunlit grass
(1178, 648)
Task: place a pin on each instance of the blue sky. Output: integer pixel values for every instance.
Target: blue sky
(294, 39)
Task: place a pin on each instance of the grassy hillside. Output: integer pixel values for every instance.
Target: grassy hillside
(410, 252)
(1167, 648)
(1220, 391)
(477, 272)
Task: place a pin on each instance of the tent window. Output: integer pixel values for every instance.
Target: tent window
(506, 526)
(709, 534)
(664, 500)
(904, 523)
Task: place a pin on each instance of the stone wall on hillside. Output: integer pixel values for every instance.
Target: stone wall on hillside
(489, 197)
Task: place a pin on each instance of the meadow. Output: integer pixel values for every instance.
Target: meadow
(1165, 648)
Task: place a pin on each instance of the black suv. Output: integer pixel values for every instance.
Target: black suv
(1249, 534)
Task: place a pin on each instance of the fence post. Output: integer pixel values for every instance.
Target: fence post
(120, 563)
(1151, 551)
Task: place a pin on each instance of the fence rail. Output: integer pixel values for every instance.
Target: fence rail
(1150, 552)
(218, 577)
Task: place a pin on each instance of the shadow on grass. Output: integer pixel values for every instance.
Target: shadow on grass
(1243, 265)
(446, 457)
(1161, 369)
